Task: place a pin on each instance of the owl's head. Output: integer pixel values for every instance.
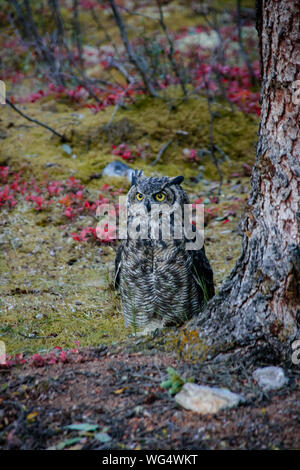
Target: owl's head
(156, 190)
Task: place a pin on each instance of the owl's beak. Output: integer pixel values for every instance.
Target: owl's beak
(147, 204)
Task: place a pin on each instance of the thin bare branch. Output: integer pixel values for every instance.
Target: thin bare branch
(241, 43)
(118, 105)
(77, 31)
(121, 68)
(132, 56)
(161, 152)
(39, 123)
(211, 136)
(171, 49)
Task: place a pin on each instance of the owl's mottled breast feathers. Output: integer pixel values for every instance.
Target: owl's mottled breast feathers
(161, 282)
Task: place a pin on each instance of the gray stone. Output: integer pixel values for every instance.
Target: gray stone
(270, 378)
(206, 400)
(117, 169)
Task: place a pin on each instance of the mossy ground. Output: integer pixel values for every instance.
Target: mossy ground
(55, 291)
(58, 292)
(148, 122)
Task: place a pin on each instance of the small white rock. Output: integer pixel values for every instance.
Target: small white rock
(204, 399)
(117, 169)
(205, 40)
(270, 378)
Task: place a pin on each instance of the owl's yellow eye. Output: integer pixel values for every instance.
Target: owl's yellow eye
(160, 197)
(139, 196)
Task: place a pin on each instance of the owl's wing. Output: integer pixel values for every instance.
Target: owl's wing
(203, 273)
(118, 263)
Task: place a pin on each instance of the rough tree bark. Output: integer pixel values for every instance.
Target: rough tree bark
(257, 308)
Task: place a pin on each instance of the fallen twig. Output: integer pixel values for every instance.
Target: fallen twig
(39, 123)
(35, 336)
(224, 155)
(161, 152)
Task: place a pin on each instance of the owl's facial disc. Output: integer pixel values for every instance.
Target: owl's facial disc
(160, 197)
(154, 191)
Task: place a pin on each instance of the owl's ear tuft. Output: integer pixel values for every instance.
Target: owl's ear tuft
(176, 180)
(135, 176)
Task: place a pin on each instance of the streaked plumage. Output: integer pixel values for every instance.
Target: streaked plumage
(159, 280)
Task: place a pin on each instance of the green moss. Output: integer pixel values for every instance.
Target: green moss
(232, 4)
(55, 291)
(53, 286)
(183, 343)
(149, 121)
(47, 301)
(187, 345)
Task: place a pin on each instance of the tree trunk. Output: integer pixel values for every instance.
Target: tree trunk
(257, 308)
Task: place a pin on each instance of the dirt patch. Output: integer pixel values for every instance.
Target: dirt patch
(120, 393)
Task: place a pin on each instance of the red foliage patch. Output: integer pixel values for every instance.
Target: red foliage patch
(70, 195)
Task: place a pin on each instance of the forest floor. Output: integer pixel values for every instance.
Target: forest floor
(116, 397)
(70, 360)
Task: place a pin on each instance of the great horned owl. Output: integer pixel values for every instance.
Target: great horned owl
(160, 281)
